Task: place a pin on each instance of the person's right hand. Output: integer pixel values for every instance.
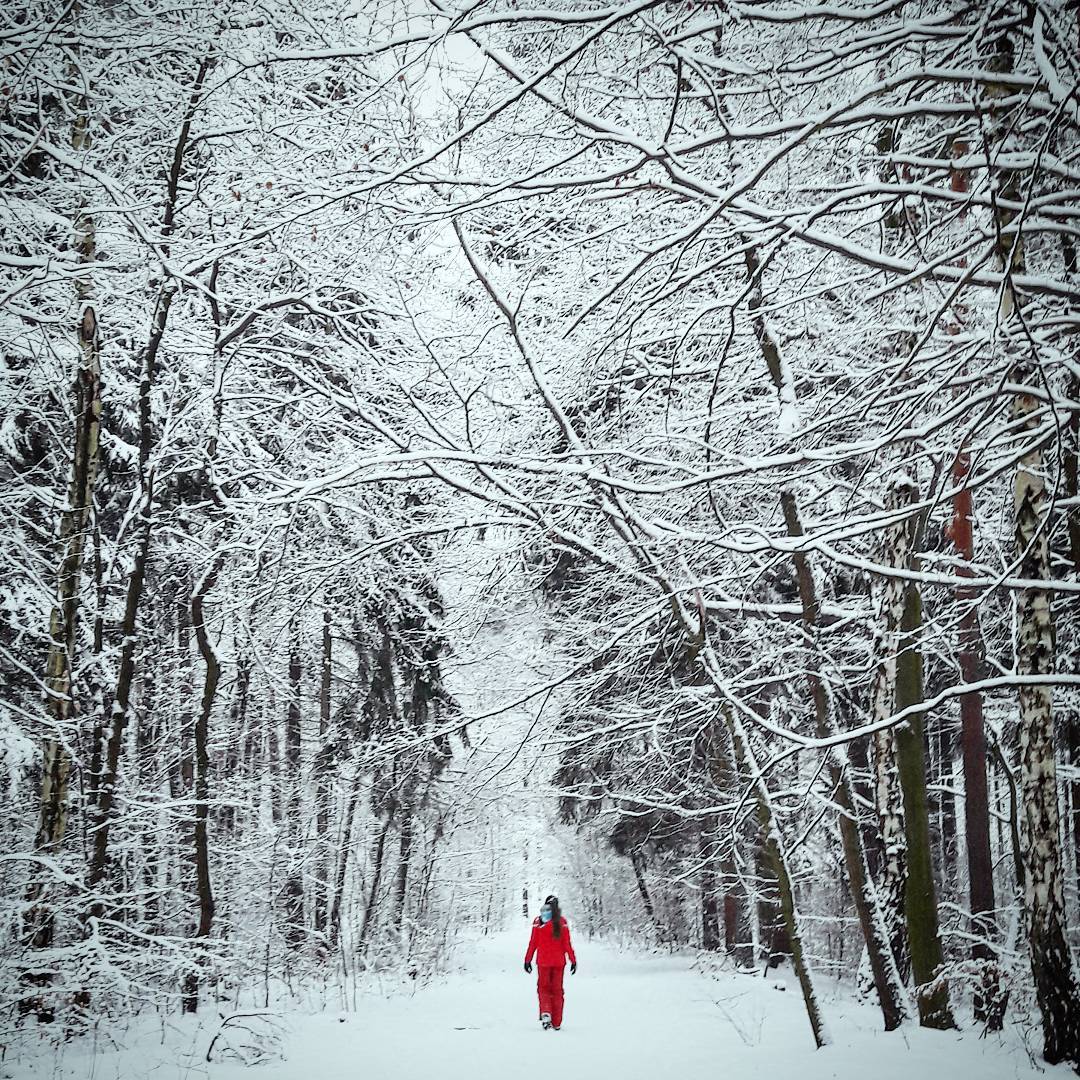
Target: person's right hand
(528, 967)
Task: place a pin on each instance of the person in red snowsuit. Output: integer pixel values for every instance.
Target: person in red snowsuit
(550, 944)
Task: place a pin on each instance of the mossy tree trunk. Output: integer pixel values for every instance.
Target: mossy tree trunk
(920, 896)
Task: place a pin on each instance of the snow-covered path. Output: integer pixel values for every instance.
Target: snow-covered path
(629, 1017)
(624, 1017)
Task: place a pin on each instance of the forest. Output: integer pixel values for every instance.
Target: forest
(458, 450)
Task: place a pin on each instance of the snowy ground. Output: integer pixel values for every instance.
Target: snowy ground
(630, 1017)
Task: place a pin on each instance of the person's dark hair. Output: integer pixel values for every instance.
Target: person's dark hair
(556, 916)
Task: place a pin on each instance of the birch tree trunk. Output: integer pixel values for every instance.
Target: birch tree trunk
(1070, 467)
(73, 529)
(888, 794)
(1051, 962)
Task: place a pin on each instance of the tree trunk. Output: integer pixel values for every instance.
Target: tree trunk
(294, 882)
(1051, 962)
(1070, 470)
(874, 929)
(1070, 464)
(920, 897)
(888, 794)
(376, 880)
(323, 786)
(887, 981)
(637, 861)
(710, 910)
(74, 523)
(773, 943)
(404, 853)
(273, 762)
(121, 706)
(334, 917)
(940, 746)
(777, 857)
(202, 782)
(731, 924)
(147, 737)
(106, 787)
(235, 758)
(973, 746)
(110, 765)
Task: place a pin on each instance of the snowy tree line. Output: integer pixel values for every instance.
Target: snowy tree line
(747, 330)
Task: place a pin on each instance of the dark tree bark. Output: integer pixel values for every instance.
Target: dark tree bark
(402, 881)
(334, 916)
(872, 923)
(920, 897)
(886, 978)
(773, 944)
(294, 882)
(323, 786)
(376, 880)
(973, 745)
(710, 911)
(731, 923)
(106, 786)
(637, 861)
(147, 738)
(201, 837)
(273, 760)
(235, 758)
(110, 761)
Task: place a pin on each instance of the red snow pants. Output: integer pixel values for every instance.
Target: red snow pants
(549, 990)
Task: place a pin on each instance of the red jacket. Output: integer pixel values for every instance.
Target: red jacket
(551, 951)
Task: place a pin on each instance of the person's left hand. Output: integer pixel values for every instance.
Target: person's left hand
(573, 968)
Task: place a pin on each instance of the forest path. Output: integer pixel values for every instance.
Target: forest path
(628, 1016)
(623, 1017)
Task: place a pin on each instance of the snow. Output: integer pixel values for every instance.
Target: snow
(631, 1015)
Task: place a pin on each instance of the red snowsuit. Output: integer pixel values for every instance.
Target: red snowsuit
(551, 953)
